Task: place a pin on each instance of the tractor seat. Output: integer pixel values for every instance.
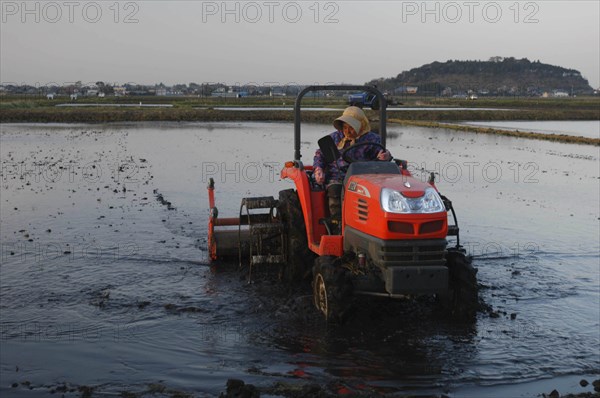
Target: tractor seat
(373, 167)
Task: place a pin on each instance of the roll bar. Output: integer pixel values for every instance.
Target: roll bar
(369, 89)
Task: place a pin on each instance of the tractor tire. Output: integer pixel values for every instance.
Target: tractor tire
(299, 257)
(332, 290)
(462, 298)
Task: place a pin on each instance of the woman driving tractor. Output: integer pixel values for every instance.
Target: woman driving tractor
(352, 128)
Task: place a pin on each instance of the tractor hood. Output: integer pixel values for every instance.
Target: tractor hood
(393, 206)
(408, 186)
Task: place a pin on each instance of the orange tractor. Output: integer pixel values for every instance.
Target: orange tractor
(392, 240)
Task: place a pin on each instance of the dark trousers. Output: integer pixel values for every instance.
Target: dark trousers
(334, 197)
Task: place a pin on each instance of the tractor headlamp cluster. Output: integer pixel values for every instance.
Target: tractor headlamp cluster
(394, 202)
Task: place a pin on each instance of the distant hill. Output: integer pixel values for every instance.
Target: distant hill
(497, 76)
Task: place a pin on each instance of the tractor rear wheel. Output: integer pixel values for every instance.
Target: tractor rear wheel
(462, 298)
(332, 289)
(299, 256)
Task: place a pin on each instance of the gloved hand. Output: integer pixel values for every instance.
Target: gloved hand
(319, 175)
(384, 155)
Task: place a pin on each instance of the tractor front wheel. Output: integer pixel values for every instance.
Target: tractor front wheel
(332, 289)
(462, 298)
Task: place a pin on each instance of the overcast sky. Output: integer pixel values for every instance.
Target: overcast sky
(283, 42)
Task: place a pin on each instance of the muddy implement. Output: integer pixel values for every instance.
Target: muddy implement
(255, 237)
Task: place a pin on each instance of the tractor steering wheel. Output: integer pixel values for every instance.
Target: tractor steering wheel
(349, 159)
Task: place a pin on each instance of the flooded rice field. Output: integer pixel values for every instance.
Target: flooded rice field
(106, 287)
(583, 128)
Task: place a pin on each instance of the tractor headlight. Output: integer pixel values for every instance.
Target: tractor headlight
(394, 202)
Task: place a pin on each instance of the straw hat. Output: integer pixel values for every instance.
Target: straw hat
(356, 118)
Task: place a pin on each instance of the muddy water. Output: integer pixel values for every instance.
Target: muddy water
(104, 285)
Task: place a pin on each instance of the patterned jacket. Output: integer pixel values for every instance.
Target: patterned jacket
(367, 152)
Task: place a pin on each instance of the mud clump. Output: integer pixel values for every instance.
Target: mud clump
(299, 391)
(85, 391)
(143, 304)
(582, 383)
(161, 199)
(238, 389)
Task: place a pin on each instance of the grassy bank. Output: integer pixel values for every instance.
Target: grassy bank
(592, 103)
(38, 114)
(497, 115)
(105, 115)
(193, 109)
(509, 133)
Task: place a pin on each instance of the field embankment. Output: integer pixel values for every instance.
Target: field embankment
(426, 112)
(509, 133)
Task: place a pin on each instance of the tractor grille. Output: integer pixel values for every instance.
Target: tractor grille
(401, 227)
(431, 227)
(363, 210)
(397, 252)
(409, 229)
(415, 253)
